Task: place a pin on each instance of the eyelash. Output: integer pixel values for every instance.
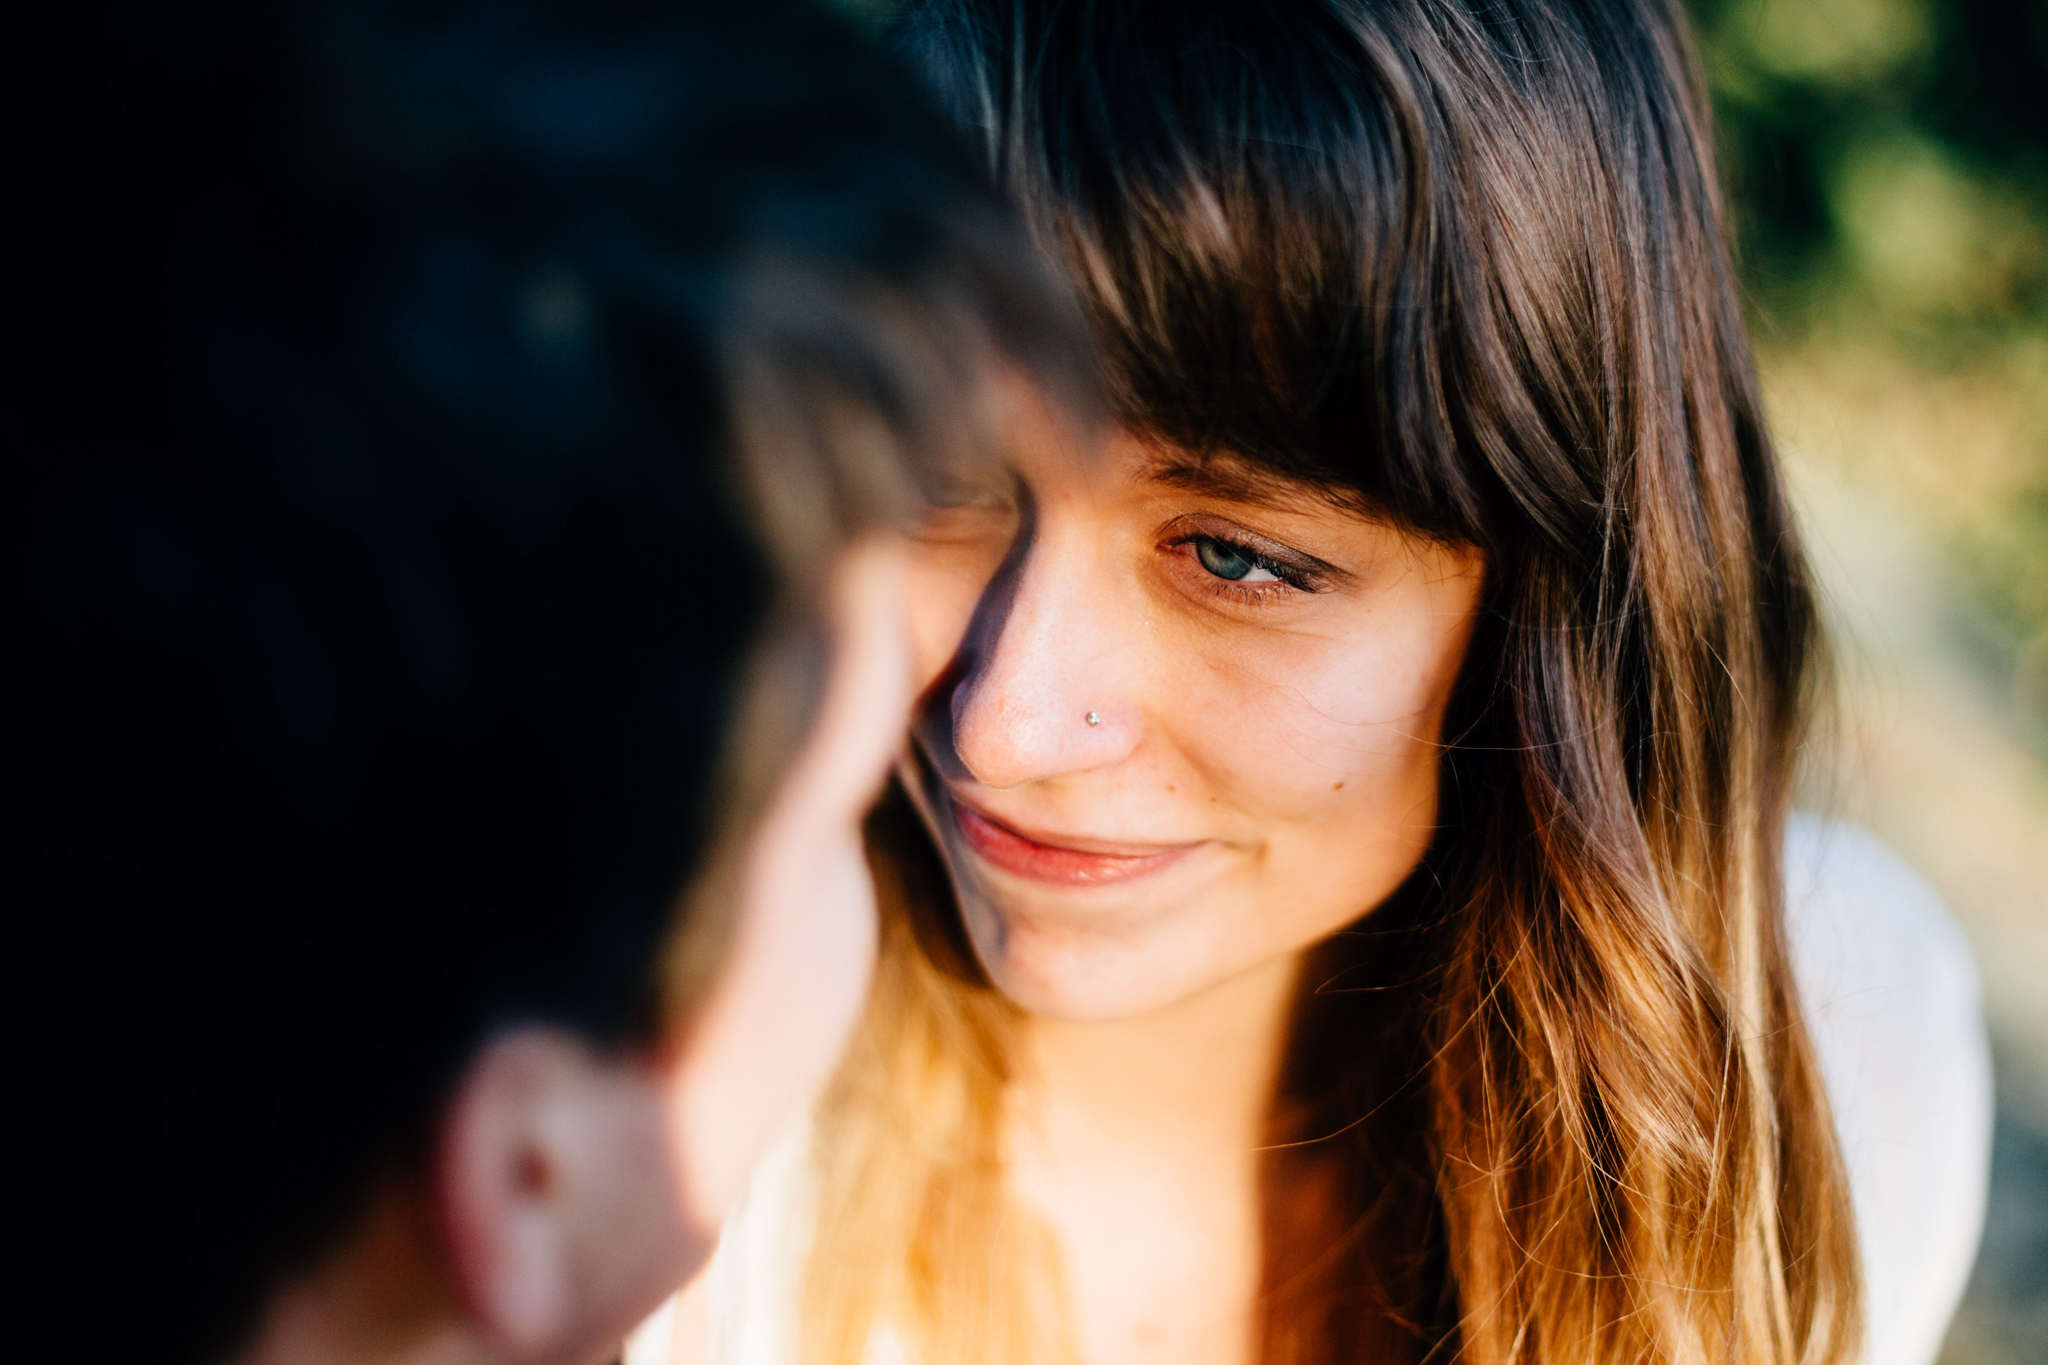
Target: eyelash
(1292, 580)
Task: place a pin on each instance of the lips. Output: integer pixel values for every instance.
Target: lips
(1058, 864)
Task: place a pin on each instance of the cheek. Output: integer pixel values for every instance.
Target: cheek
(838, 928)
(1309, 729)
(812, 948)
(788, 996)
(1334, 777)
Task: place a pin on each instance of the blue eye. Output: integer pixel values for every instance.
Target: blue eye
(1232, 562)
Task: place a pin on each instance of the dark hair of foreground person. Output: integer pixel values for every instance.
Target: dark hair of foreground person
(426, 429)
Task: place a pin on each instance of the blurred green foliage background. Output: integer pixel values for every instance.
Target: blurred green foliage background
(1888, 167)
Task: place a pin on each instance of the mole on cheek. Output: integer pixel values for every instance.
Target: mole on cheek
(1339, 787)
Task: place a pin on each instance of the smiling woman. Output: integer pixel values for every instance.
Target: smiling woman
(1438, 589)
(1270, 670)
(1338, 901)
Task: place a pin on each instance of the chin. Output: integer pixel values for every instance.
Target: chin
(1083, 974)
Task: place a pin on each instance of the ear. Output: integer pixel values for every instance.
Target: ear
(556, 1196)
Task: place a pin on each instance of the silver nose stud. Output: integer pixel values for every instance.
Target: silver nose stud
(1095, 718)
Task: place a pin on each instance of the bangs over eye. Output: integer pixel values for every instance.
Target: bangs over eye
(1233, 478)
(1243, 223)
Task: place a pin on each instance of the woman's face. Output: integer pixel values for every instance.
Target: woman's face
(1178, 719)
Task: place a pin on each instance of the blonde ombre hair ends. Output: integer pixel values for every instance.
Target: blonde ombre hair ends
(1464, 265)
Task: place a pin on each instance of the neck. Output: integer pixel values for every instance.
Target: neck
(1137, 1143)
(383, 1299)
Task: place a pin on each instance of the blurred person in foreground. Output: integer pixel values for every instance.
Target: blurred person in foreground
(451, 581)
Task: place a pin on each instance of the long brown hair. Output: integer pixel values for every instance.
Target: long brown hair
(1462, 263)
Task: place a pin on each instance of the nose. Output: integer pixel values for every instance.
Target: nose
(1042, 690)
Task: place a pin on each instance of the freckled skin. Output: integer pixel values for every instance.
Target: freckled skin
(1286, 731)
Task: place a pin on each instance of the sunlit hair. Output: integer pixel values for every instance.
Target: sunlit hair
(1462, 265)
